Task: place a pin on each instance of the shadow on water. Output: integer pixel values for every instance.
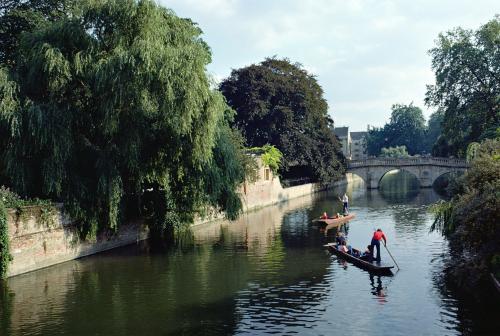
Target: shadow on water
(6, 302)
(472, 315)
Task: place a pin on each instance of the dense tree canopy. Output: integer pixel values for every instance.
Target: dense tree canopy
(470, 219)
(279, 103)
(433, 132)
(406, 128)
(18, 16)
(467, 68)
(110, 109)
(394, 152)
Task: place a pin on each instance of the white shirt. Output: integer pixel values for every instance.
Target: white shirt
(345, 199)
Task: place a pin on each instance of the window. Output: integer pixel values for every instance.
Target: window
(267, 174)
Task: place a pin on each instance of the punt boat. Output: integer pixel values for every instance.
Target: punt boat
(335, 221)
(373, 267)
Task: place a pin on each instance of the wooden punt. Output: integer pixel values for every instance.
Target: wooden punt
(335, 221)
(373, 267)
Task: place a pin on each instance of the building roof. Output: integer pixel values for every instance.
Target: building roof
(358, 135)
(341, 131)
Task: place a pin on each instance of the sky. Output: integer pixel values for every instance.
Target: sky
(367, 55)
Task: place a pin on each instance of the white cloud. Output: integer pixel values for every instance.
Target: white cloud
(367, 55)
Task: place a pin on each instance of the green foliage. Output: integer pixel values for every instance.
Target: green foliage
(270, 155)
(394, 152)
(467, 89)
(109, 110)
(18, 16)
(406, 128)
(472, 150)
(433, 132)
(5, 256)
(225, 172)
(279, 103)
(470, 219)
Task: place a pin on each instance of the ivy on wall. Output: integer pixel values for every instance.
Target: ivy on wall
(23, 208)
(5, 256)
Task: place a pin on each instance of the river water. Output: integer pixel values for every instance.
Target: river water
(266, 273)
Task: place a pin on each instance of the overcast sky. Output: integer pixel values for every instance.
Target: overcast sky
(367, 55)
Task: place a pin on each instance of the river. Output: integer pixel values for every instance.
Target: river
(266, 273)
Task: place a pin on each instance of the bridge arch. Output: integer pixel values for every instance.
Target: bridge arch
(444, 173)
(426, 169)
(404, 170)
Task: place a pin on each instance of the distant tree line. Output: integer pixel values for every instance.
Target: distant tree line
(407, 127)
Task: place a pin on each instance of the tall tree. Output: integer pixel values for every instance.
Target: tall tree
(279, 103)
(406, 128)
(467, 68)
(433, 132)
(110, 110)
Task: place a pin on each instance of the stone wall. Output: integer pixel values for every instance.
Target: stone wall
(39, 241)
(267, 190)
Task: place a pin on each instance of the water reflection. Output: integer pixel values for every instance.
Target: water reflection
(378, 289)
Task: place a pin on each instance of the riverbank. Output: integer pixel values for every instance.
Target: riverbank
(38, 241)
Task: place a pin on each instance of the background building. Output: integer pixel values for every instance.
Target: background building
(358, 145)
(344, 137)
(353, 143)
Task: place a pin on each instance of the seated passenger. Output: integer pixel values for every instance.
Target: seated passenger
(356, 253)
(324, 216)
(342, 247)
(367, 255)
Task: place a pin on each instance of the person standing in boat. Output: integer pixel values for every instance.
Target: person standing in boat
(377, 236)
(345, 201)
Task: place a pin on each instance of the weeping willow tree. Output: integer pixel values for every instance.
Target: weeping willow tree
(110, 110)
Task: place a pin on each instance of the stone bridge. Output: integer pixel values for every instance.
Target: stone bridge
(426, 169)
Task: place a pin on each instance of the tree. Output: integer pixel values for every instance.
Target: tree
(18, 16)
(470, 219)
(394, 152)
(434, 130)
(279, 103)
(467, 69)
(110, 111)
(405, 128)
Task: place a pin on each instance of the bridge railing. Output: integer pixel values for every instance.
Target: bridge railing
(412, 161)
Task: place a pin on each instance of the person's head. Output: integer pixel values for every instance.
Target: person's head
(379, 230)
(339, 234)
(343, 242)
(369, 247)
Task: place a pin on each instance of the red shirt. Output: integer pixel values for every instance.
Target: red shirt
(377, 235)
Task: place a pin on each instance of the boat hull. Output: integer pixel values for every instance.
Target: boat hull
(335, 221)
(370, 267)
